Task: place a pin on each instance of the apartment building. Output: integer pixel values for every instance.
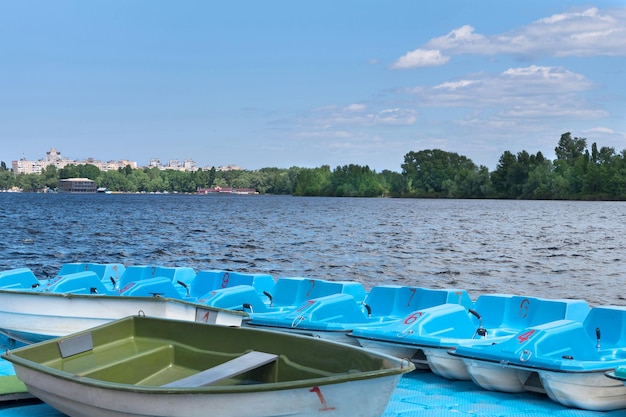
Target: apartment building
(53, 157)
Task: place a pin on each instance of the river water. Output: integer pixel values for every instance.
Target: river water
(554, 249)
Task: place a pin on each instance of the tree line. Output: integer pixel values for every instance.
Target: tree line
(576, 173)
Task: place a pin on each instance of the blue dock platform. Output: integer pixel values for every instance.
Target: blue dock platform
(419, 394)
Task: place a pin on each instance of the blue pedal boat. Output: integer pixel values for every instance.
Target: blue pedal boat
(287, 294)
(86, 295)
(335, 316)
(136, 280)
(565, 359)
(427, 335)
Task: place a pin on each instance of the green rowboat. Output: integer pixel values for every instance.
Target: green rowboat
(140, 366)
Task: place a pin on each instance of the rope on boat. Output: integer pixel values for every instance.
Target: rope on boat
(296, 322)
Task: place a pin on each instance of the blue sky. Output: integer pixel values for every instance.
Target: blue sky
(308, 83)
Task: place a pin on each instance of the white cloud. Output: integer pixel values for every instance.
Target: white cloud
(600, 129)
(562, 17)
(589, 32)
(325, 134)
(463, 37)
(524, 92)
(420, 58)
(356, 107)
(396, 117)
(455, 85)
(616, 138)
(357, 116)
(549, 80)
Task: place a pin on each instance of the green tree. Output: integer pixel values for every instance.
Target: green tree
(355, 181)
(212, 176)
(29, 182)
(394, 183)
(272, 181)
(433, 172)
(50, 177)
(539, 184)
(7, 179)
(69, 171)
(617, 182)
(470, 184)
(600, 171)
(510, 179)
(89, 171)
(114, 180)
(313, 181)
(138, 180)
(570, 149)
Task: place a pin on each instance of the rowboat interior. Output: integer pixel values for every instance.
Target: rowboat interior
(153, 353)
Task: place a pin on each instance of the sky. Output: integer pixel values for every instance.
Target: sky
(308, 83)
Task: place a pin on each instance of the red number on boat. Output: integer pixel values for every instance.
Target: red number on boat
(305, 306)
(413, 291)
(523, 308)
(413, 317)
(525, 336)
(225, 280)
(308, 293)
(325, 406)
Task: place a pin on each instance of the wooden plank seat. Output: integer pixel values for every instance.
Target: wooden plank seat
(229, 369)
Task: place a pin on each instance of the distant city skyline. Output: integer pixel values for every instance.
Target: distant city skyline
(282, 83)
(56, 158)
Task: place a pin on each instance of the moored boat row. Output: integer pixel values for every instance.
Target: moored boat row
(503, 342)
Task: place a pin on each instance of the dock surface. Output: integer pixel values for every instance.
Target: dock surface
(419, 394)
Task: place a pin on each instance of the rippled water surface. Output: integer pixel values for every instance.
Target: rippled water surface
(543, 248)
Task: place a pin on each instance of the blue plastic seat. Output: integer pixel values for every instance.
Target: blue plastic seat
(72, 268)
(18, 279)
(152, 287)
(506, 311)
(239, 297)
(109, 273)
(135, 273)
(398, 301)
(176, 275)
(86, 282)
(293, 291)
(211, 280)
(610, 321)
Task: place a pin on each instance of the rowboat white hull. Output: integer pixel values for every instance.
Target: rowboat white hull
(31, 317)
(351, 398)
(590, 391)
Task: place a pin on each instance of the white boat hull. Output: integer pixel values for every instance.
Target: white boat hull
(493, 376)
(589, 390)
(446, 365)
(351, 398)
(585, 390)
(31, 317)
